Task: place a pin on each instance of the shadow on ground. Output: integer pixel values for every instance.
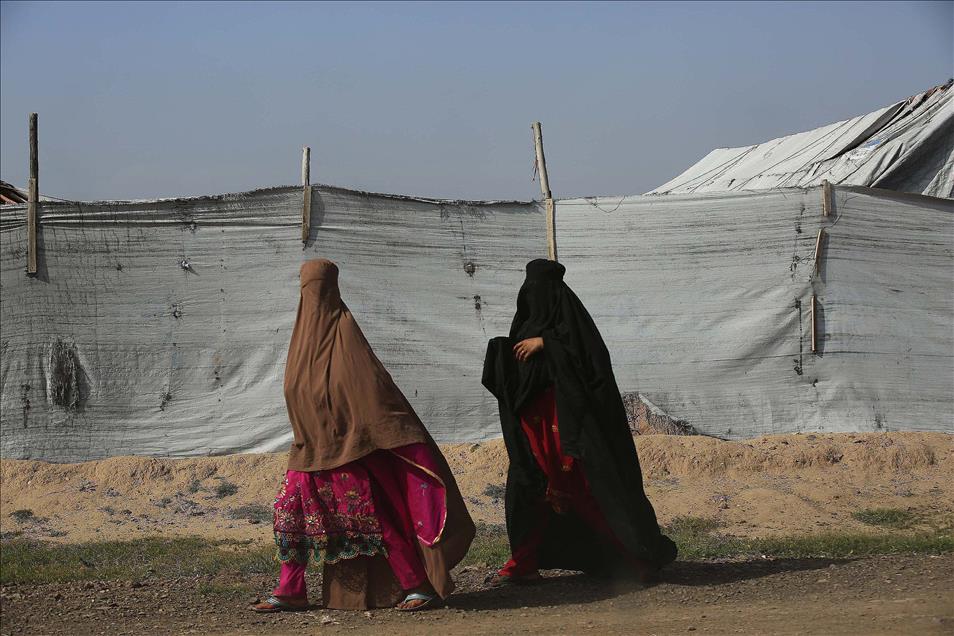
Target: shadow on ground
(576, 588)
(708, 573)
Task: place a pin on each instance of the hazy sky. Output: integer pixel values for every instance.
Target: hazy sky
(144, 100)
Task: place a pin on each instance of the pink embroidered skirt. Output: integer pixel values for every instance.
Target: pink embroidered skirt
(381, 503)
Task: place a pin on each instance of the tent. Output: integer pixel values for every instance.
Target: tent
(907, 146)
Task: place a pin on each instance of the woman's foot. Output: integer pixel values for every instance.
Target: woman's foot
(504, 578)
(420, 598)
(280, 604)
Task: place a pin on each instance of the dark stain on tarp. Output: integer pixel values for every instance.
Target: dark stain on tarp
(164, 400)
(217, 369)
(176, 311)
(25, 405)
(183, 210)
(798, 360)
(478, 309)
(470, 268)
(68, 382)
(119, 267)
(793, 267)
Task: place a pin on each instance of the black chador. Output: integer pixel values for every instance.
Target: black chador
(575, 497)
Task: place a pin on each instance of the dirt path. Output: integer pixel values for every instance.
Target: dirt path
(879, 595)
(771, 486)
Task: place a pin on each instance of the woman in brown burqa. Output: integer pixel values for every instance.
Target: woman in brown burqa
(367, 493)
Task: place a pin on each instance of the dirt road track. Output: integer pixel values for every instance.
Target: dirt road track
(878, 595)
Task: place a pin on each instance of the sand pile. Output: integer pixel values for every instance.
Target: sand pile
(769, 485)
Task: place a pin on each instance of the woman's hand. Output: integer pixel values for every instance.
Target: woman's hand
(526, 348)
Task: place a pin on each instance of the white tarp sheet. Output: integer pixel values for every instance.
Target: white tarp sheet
(170, 319)
(908, 147)
(189, 361)
(705, 304)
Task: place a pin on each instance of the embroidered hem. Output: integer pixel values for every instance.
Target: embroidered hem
(327, 550)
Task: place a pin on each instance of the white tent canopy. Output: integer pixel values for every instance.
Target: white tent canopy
(908, 146)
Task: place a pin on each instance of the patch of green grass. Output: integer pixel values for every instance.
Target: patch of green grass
(253, 512)
(194, 486)
(885, 517)
(22, 515)
(692, 526)
(28, 561)
(490, 546)
(698, 539)
(225, 489)
(845, 545)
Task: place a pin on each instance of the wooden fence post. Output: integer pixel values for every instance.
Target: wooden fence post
(33, 196)
(306, 200)
(545, 189)
(826, 198)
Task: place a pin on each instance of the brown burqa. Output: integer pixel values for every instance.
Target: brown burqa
(343, 405)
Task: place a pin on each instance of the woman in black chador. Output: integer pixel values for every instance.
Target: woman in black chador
(575, 495)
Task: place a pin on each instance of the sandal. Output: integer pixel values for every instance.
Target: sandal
(499, 580)
(275, 604)
(430, 600)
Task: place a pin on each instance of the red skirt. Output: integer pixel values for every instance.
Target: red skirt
(383, 503)
(567, 488)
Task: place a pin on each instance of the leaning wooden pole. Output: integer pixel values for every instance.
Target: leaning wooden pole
(545, 189)
(818, 251)
(33, 196)
(306, 200)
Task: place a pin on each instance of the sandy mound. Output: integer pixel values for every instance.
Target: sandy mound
(769, 485)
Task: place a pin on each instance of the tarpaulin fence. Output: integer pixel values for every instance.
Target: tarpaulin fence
(161, 327)
(705, 304)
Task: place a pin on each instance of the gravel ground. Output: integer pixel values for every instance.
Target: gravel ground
(876, 595)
